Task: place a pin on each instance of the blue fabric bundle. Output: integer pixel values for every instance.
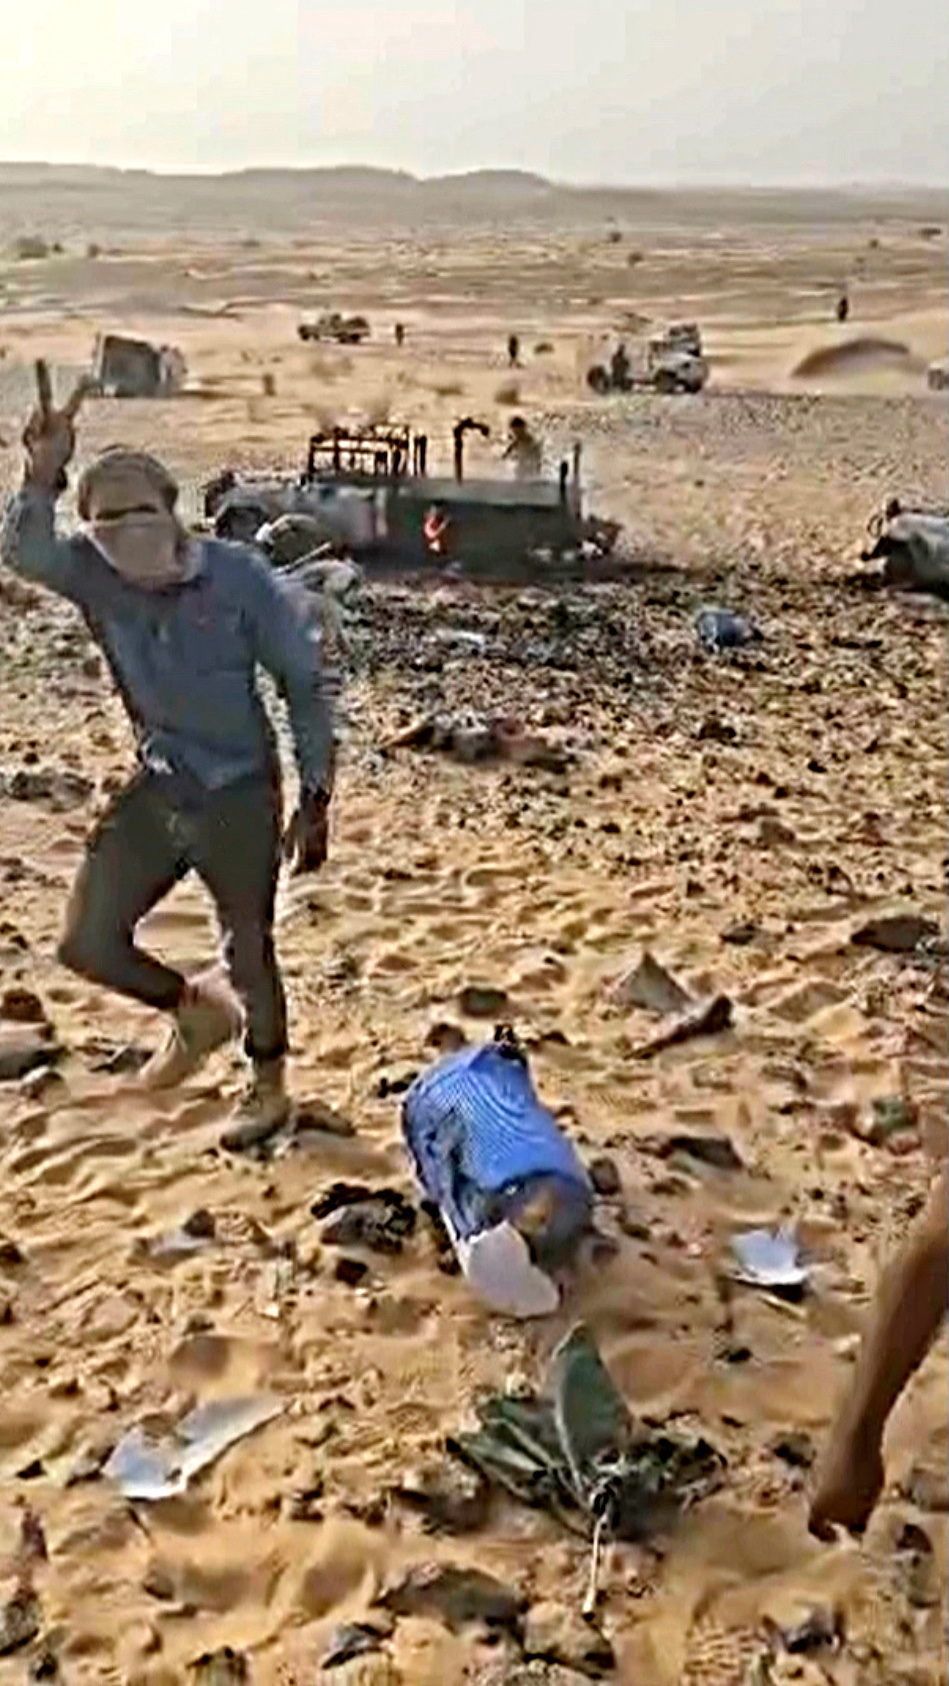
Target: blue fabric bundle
(483, 1144)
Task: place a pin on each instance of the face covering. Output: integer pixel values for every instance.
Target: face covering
(146, 547)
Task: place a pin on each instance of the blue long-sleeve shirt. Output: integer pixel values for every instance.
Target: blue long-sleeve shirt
(185, 659)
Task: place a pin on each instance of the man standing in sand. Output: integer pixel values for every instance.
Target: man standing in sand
(524, 450)
(911, 1303)
(184, 625)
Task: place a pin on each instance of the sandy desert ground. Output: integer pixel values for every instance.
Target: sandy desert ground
(740, 818)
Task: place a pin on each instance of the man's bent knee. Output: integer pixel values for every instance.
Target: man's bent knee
(84, 951)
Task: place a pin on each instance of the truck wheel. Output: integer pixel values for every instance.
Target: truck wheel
(666, 382)
(599, 381)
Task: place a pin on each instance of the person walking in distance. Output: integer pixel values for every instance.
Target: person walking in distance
(184, 624)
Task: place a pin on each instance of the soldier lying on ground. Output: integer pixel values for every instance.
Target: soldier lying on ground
(910, 1304)
(183, 625)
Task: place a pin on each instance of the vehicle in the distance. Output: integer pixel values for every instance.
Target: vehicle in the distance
(332, 325)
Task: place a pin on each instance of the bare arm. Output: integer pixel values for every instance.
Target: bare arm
(911, 1302)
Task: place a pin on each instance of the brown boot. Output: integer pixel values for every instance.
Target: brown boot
(207, 1018)
(262, 1110)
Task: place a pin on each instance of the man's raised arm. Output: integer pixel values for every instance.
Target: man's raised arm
(29, 544)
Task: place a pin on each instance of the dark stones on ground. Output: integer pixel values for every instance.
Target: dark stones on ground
(710, 1149)
(315, 1117)
(604, 1175)
(556, 1634)
(378, 1218)
(398, 1085)
(707, 1018)
(11, 1255)
(741, 933)
(450, 1497)
(446, 1038)
(26, 1049)
(484, 1001)
(62, 789)
(795, 1448)
(22, 1006)
(457, 1597)
(895, 933)
(225, 1667)
(928, 1489)
(650, 986)
(354, 1639)
(20, 1621)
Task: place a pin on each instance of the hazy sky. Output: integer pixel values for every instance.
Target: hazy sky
(594, 90)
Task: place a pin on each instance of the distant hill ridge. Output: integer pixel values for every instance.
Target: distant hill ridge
(63, 199)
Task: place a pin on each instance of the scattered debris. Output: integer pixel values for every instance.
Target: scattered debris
(378, 1218)
(535, 1673)
(45, 1664)
(927, 1488)
(917, 1567)
(225, 1667)
(451, 1498)
(741, 933)
(11, 1254)
(604, 1175)
(820, 1629)
(714, 730)
(354, 1639)
(25, 1050)
(129, 368)
(473, 738)
(62, 789)
(557, 1634)
(913, 545)
(709, 1147)
(160, 1467)
(22, 1006)
(316, 1118)
(719, 629)
(577, 1453)
(483, 1001)
(769, 1259)
(706, 1018)
(795, 1448)
(455, 1596)
(117, 1059)
(192, 1236)
(895, 933)
(20, 1621)
(650, 986)
(892, 1115)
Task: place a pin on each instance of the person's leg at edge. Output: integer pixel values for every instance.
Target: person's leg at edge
(131, 863)
(237, 855)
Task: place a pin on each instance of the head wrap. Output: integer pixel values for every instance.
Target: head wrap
(127, 501)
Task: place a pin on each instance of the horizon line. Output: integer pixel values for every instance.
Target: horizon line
(896, 184)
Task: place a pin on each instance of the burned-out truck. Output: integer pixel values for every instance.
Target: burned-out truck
(374, 494)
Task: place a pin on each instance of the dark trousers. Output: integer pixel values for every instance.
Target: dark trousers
(154, 834)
